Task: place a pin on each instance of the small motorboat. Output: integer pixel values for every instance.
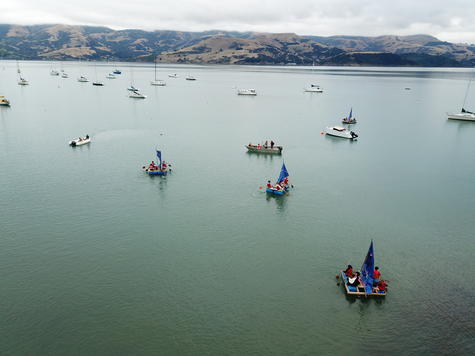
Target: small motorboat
(367, 286)
(251, 92)
(98, 84)
(116, 71)
(110, 76)
(339, 131)
(190, 78)
(64, 75)
(350, 119)
(271, 149)
(313, 88)
(174, 75)
(4, 101)
(23, 81)
(82, 79)
(136, 95)
(158, 82)
(281, 186)
(161, 169)
(132, 88)
(464, 115)
(54, 72)
(80, 141)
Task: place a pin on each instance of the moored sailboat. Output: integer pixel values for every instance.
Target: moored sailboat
(157, 82)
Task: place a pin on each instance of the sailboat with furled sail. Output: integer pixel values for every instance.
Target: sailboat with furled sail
(464, 115)
(157, 82)
(21, 80)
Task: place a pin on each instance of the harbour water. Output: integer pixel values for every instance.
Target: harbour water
(96, 257)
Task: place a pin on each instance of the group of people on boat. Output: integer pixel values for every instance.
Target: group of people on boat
(154, 167)
(354, 279)
(266, 145)
(283, 185)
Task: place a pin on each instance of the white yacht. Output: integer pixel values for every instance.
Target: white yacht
(174, 75)
(313, 88)
(339, 131)
(80, 141)
(464, 115)
(64, 75)
(158, 82)
(189, 77)
(82, 79)
(54, 72)
(251, 92)
(110, 76)
(23, 81)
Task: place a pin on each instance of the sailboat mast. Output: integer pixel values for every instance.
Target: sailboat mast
(466, 91)
(155, 68)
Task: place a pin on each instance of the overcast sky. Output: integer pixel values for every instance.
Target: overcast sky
(450, 20)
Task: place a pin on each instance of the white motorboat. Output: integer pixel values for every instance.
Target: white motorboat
(23, 81)
(132, 88)
(251, 92)
(98, 84)
(54, 72)
(64, 75)
(82, 79)
(158, 82)
(190, 78)
(339, 131)
(110, 76)
(80, 141)
(4, 101)
(313, 88)
(136, 95)
(174, 75)
(463, 116)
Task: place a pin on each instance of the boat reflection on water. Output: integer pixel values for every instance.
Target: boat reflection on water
(280, 201)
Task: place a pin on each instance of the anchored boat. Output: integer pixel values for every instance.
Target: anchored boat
(339, 131)
(464, 115)
(80, 141)
(281, 186)
(82, 79)
(365, 285)
(313, 88)
(4, 101)
(271, 149)
(251, 92)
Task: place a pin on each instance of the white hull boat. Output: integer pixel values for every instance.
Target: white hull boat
(174, 75)
(64, 75)
(251, 92)
(190, 78)
(4, 101)
(463, 116)
(314, 89)
(339, 131)
(80, 141)
(110, 76)
(159, 83)
(23, 81)
(54, 72)
(82, 79)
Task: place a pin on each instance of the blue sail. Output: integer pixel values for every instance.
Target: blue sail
(351, 114)
(159, 156)
(367, 270)
(283, 174)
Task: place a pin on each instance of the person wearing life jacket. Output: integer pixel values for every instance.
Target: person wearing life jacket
(269, 185)
(349, 271)
(152, 166)
(354, 281)
(382, 285)
(376, 276)
(164, 166)
(278, 187)
(285, 182)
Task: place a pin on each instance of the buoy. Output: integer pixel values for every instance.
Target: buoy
(321, 133)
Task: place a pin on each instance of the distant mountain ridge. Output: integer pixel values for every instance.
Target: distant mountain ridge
(65, 42)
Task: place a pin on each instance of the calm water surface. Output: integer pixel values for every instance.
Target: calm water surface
(98, 258)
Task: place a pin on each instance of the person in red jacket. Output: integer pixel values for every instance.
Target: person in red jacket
(376, 276)
(382, 285)
(349, 271)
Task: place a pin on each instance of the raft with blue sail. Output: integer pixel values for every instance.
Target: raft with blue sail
(157, 170)
(365, 287)
(280, 187)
